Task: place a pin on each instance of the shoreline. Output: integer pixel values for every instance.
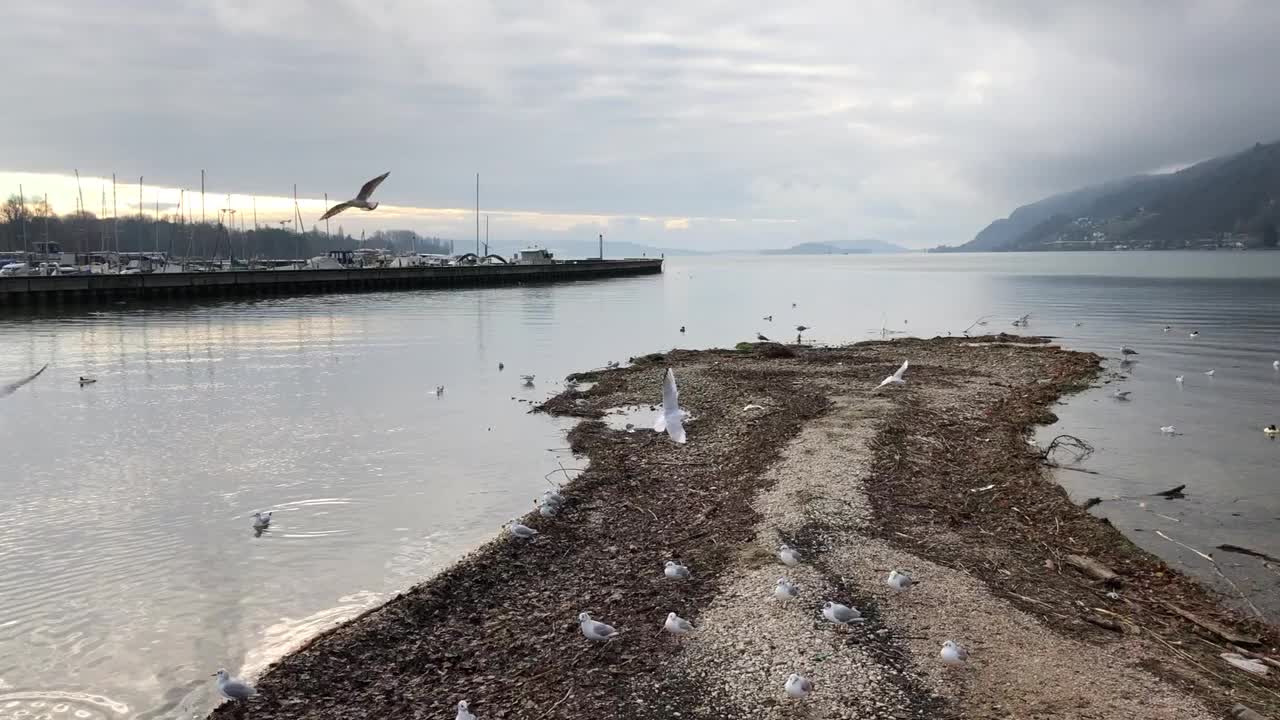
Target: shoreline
(861, 481)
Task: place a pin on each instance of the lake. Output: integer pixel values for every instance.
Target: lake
(129, 570)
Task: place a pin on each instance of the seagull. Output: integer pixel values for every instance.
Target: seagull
(1126, 350)
(761, 338)
(677, 625)
(463, 712)
(898, 580)
(1194, 334)
(798, 687)
(802, 328)
(612, 365)
(768, 318)
(12, 387)
(594, 630)
(953, 654)
(788, 556)
(1271, 430)
(840, 614)
(1210, 372)
(234, 688)
(528, 380)
(361, 200)
(751, 407)
(1178, 379)
(672, 418)
(87, 380)
(1121, 394)
(552, 497)
(681, 328)
(896, 378)
(785, 591)
(548, 510)
(261, 520)
(675, 570)
(500, 367)
(793, 305)
(1167, 328)
(1169, 430)
(439, 390)
(1274, 363)
(521, 530)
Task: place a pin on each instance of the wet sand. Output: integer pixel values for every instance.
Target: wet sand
(935, 477)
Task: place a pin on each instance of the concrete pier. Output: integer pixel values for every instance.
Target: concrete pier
(18, 291)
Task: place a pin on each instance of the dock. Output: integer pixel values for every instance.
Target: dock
(94, 289)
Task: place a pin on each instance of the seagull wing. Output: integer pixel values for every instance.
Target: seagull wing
(670, 418)
(372, 185)
(12, 387)
(335, 210)
(901, 371)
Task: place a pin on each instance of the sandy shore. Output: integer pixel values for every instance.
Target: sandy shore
(935, 477)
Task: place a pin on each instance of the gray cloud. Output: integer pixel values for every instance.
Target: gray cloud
(916, 122)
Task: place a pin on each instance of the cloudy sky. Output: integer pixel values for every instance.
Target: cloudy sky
(703, 124)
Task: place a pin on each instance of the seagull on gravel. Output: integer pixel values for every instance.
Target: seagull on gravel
(1169, 430)
(234, 688)
(261, 520)
(361, 200)
(953, 654)
(521, 530)
(548, 510)
(672, 418)
(761, 338)
(896, 378)
(898, 580)
(1126, 350)
(12, 387)
(552, 497)
(840, 614)
(594, 630)
(677, 625)
(797, 686)
(463, 712)
(1121, 394)
(675, 570)
(788, 555)
(785, 591)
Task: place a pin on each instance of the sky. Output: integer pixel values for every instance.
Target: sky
(706, 125)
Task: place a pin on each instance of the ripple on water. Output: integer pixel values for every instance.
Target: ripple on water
(51, 704)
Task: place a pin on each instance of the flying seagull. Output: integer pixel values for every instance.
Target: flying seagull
(896, 378)
(463, 712)
(361, 201)
(234, 688)
(953, 654)
(797, 686)
(12, 387)
(671, 420)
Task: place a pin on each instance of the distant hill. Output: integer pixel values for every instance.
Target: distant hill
(840, 247)
(1226, 200)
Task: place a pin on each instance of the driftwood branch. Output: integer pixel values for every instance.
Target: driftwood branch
(1221, 631)
(1095, 570)
(1079, 449)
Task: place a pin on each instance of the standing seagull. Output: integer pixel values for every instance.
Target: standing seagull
(594, 630)
(840, 614)
(785, 591)
(463, 712)
(234, 688)
(677, 625)
(675, 570)
(671, 420)
(361, 200)
(797, 686)
(12, 387)
(953, 654)
(896, 378)
(788, 556)
(761, 338)
(898, 580)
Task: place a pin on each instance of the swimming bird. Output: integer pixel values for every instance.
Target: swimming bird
(234, 688)
(681, 328)
(1271, 430)
(1178, 379)
(521, 530)
(87, 380)
(677, 625)
(1126, 350)
(797, 686)
(528, 380)
(793, 305)
(785, 591)
(896, 378)
(1210, 372)
(788, 555)
(1074, 324)
(594, 630)
(898, 580)
(261, 520)
(463, 712)
(953, 654)
(361, 200)
(439, 390)
(769, 318)
(12, 387)
(840, 614)
(671, 420)
(675, 570)
(1194, 334)
(500, 367)
(1121, 394)
(1169, 430)
(761, 338)
(802, 328)
(1275, 364)
(1167, 328)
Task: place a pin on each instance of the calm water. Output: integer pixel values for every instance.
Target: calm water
(128, 568)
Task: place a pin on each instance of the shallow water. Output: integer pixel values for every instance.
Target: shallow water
(129, 570)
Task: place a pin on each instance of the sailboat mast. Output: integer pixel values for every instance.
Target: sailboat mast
(477, 213)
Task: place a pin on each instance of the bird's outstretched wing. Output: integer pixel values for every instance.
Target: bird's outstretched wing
(672, 417)
(335, 210)
(901, 371)
(12, 387)
(372, 185)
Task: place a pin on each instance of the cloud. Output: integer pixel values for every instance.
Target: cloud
(915, 121)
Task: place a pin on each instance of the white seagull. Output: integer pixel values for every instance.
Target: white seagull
(548, 510)
(785, 591)
(261, 520)
(797, 686)
(840, 614)
(1194, 334)
(1121, 394)
(788, 555)
(1210, 372)
(1178, 379)
(1126, 350)
(521, 530)
(953, 654)
(896, 378)
(1169, 430)
(12, 387)
(675, 570)
(1271, 430)
(594, 630)
(361, 200)
(898, 580)
(552, 497)
(672, 418)
(677, 625)
(463, 712)
(1274, 364)
(528, 380)
(234, 688)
